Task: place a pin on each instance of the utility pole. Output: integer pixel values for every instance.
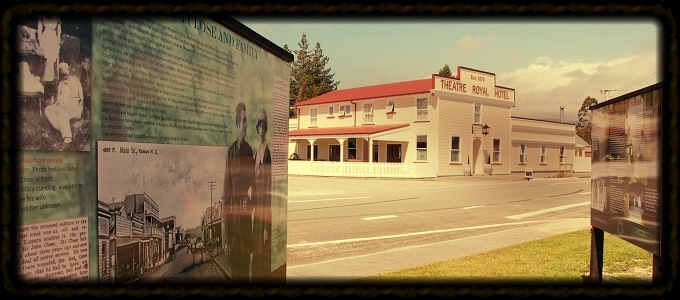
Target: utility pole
(605, 91)
(211, 187)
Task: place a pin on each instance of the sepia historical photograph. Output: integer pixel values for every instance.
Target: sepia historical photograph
(52, 86)
(160, 213)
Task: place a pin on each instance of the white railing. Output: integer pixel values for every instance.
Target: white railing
(360, 169)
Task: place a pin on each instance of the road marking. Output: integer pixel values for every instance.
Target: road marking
(379, 217)
(585, 193)
(306, 244)
(329, 199)
(569, 182)
(404, 248)
(547, 210)
(471, 207)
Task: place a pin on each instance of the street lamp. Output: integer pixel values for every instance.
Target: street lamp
(485, 129)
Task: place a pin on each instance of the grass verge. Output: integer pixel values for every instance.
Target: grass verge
(562, 259)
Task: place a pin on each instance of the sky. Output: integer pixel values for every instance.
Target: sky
(548, 63)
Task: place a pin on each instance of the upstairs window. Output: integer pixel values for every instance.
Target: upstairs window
(421, 106)
(368, 113)
(478, 113)
(345, 110)
(330, 110)
(390, 106)
(312, 117)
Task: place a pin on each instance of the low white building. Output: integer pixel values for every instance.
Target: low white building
(424, 128)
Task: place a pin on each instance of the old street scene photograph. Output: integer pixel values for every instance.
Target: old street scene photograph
(454, 149)
(159, 213)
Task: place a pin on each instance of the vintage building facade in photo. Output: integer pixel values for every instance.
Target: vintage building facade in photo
(438, 126)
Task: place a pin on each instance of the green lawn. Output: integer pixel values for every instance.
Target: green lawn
(561, 259)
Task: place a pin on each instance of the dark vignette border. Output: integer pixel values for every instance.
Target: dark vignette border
(663, 11)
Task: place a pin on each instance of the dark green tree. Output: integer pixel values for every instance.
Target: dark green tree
(445, 71)
(584, 126)
(309, 74)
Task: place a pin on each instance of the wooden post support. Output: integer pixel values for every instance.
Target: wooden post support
(657, 269)
(596, 254)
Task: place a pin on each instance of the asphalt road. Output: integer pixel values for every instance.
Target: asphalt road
(342, 229)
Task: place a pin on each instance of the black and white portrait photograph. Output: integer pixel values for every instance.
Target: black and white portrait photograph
(52, 72)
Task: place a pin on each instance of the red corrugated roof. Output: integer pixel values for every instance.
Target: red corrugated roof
(373, 91)
(365, 129)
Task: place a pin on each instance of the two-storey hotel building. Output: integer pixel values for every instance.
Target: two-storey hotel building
(424, 128)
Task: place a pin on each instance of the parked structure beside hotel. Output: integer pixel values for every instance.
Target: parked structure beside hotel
(424, 128)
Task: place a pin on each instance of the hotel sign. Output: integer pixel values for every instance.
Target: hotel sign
(474, 83)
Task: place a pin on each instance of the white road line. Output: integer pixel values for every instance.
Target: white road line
(569, 182)
(329, 199)
(585, 193)
(410, 247)
(471, 207)
(379, 217)
(306, 244)
(547, 210)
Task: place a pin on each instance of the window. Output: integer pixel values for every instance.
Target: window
(316, 151)
(352, 148)
(562, 156)
(522, 154)
(455, 149)
(421, 147)
(345, 109)
(390, 106)
(368, 113)
(421, 106)
(496, 150)
(312, 117)
(478, 113)
(544, 153)
(330, 110)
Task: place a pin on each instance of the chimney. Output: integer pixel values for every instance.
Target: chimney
(561, 114)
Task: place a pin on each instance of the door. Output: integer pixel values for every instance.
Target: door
(334, 153)
(393, 153)
(375, 153)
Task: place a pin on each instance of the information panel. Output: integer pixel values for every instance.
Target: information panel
(626, 200)
(152, 149)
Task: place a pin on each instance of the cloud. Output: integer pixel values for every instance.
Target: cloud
(547, 83)
(469, 43)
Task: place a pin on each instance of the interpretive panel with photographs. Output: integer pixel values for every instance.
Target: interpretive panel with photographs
(160, 142)
(626, 157)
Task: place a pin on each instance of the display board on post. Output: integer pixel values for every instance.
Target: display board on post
(626, 197)
(150, 149)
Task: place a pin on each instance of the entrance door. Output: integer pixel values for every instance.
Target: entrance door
(375, 153)
(393, 152)
(334, 153)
